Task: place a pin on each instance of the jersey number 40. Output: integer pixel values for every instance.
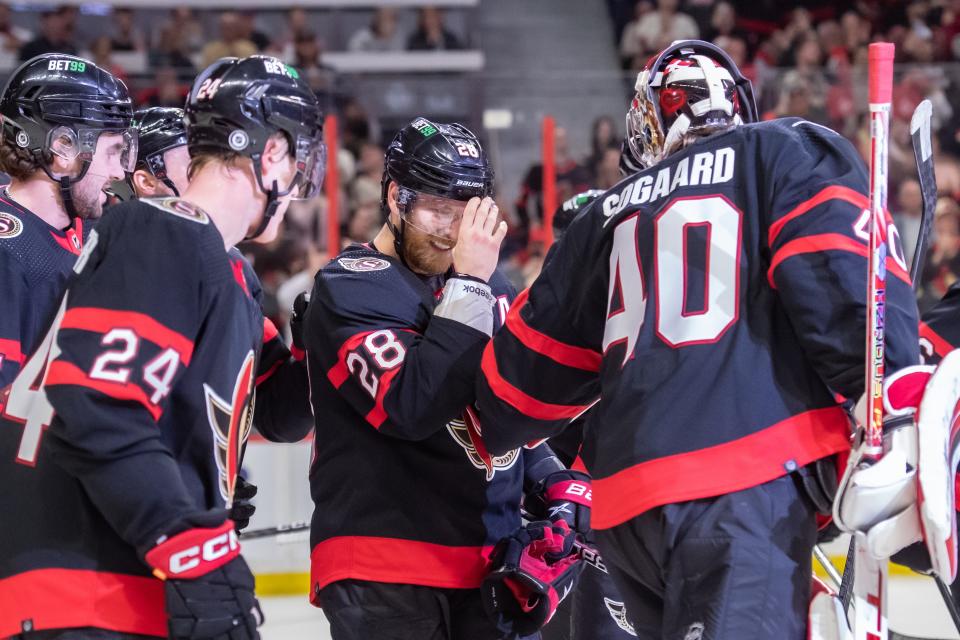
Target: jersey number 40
(720, 223)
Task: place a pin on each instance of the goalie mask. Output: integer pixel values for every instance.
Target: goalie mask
(692, 88)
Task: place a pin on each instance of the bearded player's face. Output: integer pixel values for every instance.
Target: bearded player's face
(89, 193)
(430, 233)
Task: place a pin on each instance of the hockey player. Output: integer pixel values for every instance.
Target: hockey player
(940, 328)
(66, 134)
(394, 333)
(125, 461)
(708, 309)
(282, 412)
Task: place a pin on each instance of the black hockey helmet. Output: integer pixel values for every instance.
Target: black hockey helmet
(570, 208)
(237, 104)
(159, 129)
(444, 160)
(60, 104)
(690, 88)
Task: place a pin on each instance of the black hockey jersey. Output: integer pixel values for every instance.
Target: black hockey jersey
(148, 372)
(713, 306)
(35, 261)
(940, 327)
(401, 495)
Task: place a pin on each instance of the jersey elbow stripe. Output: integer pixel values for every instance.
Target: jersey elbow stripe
(940, 345)
(525, 404)
(65, 373)
(829, 242)
(103, 320)
(378, 415)
(835, 192)
(10, 350)
(339, 372)
(559, 352)
(269, 330)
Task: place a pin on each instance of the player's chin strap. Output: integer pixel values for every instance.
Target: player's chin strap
(273, 196)
(65, 182)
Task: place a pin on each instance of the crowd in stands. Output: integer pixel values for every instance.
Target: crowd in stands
(805, 58)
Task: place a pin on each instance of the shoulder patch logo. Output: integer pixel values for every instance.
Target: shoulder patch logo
(360, 265)
(179, 208)
(10, 225)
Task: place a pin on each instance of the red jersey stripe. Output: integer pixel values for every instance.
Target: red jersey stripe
(562, 353)
(68, 373)
(829, 242)
(835, 192)
(378, 415)
(733, 466)
(339, 372)
(103, 320)
(269, 330)
(525, 404)
(64, 598)
(941, 346)
(10, 350)
(397, 561)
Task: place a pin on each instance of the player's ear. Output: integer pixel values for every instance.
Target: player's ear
(277, 162)
(393, 194)
(64, 150)
(144, 184)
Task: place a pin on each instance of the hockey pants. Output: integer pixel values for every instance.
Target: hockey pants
(732, 567)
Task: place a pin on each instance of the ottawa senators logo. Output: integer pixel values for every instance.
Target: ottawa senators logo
(466, 433)
(230, 423)
(10, 225)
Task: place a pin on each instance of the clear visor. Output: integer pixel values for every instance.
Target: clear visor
(83, 143)
(311, 167)
(430, 209)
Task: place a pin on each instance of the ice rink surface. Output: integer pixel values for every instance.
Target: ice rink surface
(915, 607)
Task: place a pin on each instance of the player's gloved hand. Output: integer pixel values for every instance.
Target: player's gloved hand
(478, 244)
(208, 585)
(562, 495)
(880, 500)
(242, 509)
(532, 571)
(296, 325)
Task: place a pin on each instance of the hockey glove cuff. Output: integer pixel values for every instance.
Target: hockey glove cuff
(563, 495)
(533, 570)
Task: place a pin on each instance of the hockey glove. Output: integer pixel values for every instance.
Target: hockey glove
(562, 495)
(532, 571)
(242, 509)
(208, 585)
(296, 325)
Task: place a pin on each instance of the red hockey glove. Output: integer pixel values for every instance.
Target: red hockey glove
(562, 495)
(208, 585)
(532, 571)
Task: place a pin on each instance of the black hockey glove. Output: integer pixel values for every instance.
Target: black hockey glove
(296, 325)
(562, 495)
(532, 571)
(242, 509)
(208, 585)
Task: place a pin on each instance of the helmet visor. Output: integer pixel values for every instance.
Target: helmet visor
(311, 159)
(82, 143)
(428, 209)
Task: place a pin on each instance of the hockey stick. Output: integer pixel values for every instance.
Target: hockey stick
(923, 152)
(266, 532)
(870, 577)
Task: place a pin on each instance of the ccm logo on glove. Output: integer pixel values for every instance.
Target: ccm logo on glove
(195, 552)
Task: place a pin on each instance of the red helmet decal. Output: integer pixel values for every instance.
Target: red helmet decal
(671, 100)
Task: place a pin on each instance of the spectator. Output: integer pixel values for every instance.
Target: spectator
(173, 50)
(604, 135)
(297, 21)
(380, 35)
(231, 42)
(723, 22)
(308, 61)
(942, 267)
(101, 52)
(54, 36)
(126, 37)
(431, 34)
(608, 169)
(184, 24)
(631, 43)
(364, 223)
(12, 37)
(248, 30)
(572, 178)
(659, 28)
(165, 92)
(907, 215)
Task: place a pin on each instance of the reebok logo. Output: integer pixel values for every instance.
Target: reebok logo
(480, 291)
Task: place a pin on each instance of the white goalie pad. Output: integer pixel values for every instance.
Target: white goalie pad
(938, 455)
(827, 618)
